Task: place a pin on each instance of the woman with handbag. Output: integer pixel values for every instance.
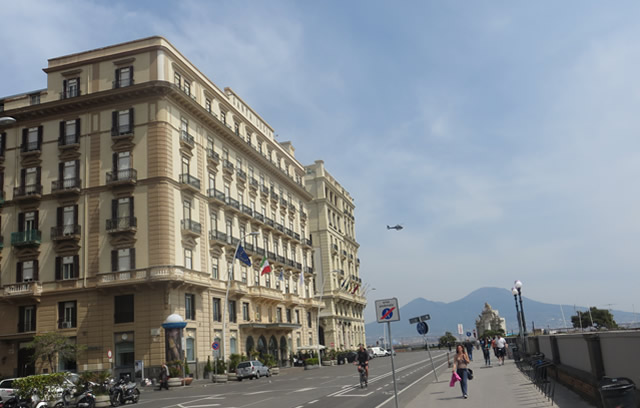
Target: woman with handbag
(460, 363)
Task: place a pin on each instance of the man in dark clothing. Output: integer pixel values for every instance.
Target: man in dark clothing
(362, 359)
(469, 346)
(164, 377)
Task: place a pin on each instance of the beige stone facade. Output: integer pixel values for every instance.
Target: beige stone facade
(127, 184)
(332, 227)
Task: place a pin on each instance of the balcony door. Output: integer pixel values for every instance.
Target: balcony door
(68, 219)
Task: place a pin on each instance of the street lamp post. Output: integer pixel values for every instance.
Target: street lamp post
(226, 296)
(515, 299)
(518, 286)
(7, 120)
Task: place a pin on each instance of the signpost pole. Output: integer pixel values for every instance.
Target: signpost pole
(430, 358)
(393, 369)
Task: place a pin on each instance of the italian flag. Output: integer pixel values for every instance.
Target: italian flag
(264, 266)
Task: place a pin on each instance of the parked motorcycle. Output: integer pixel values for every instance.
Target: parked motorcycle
(124, 391)
(15, 402)
(70, 398)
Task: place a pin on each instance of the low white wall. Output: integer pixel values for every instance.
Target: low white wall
(620, 354)
(544, 346)
(573, 352)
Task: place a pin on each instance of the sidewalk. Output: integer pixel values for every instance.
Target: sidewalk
(495, 387)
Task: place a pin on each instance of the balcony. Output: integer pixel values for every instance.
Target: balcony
(280, 258)
(269, 222)
(213, 158)
(23, 289)
(227, 167)
(30, 192)
(189, 182)
(274, 197)
(344, 253)
(298, 266)
(215, 195)
(121, 83)
(218, 236)
(122, 177)
(122, 224)
(241, 175)
(280, 227)
(264, 191)
(66, 186)
(303, 215)
(65, 232)
(233, 203)
(253, 184)
(70, 93)
(308, 269)
(23, 239)
(292, 208)
(186, 140)
(191, 227)
(289, 262)
(246, 210)
(258, 216)
(271, 255)
(296, 236)
(334, 248)
(288, 232)
(260, 251)
(28, 148)
(283, 203)
(68, 142)
(122, 131)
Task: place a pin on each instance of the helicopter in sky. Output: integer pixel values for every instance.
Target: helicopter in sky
(396, 227)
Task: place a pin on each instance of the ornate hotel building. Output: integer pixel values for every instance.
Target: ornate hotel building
(127, 184)
(332, 225)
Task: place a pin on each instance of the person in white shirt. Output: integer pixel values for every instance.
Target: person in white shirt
(501, 345)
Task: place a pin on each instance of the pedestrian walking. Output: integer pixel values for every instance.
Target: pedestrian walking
(164, 377)
(493, 346)
(485, 344)
(469, 346)
(501, 346)
(460, 363)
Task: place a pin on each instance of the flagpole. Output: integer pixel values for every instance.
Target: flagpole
(226, 296)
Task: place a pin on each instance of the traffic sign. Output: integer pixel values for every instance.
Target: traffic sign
(109, 354)
(387, 310)
(468, 334)
(425, 317)
(423, 328)
(215, 345)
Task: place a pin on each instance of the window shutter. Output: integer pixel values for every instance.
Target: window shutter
(19, 272)
(3, 144)
(78, 86)
(61, 173)
(58, 268)
(62, 133)
(59, 212)
(115, 165)
(132, 255)
(21, 222)
(77, 167)
(35, 220)
(75, 214)
(74, 314)
(24, 138)
(114, 260)
(131, 74)
(114, 123)
(78, 130)
(114, 209)
(23, 177)
(39, 137)
(64, 87)
(76, 266)
(131, 213)
(60, 313)
(38, 175)
(131, 120)
(21, 327)
(36, 270)
(117, 78)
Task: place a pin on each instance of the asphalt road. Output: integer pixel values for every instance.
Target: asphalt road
(335, 387)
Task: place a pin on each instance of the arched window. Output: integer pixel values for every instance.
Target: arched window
(191, 349)
(249, 346)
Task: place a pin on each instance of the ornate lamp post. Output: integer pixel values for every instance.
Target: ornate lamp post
(518, 287)
(515, 299)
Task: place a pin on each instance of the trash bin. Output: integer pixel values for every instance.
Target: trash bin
(515, 353)
(617, 392)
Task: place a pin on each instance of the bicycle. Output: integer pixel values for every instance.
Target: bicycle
(363, 376)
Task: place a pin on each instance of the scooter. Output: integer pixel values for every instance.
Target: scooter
(84, 399)
(17, 402)
(123, 392)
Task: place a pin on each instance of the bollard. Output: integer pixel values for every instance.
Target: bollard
(448, 361)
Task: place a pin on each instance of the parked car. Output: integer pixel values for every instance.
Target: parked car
(378, 352)
(388, 352)
(251, 369)
(6, 389)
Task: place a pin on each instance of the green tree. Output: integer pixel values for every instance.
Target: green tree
(47, 346)
(447, 338)
(601, 318)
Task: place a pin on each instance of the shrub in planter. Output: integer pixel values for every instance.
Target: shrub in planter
(43, 385)
(269, 360)
(175, 369)
(208, 368)
(220, 366)
(186, 369)
(234, 360)
(311, 361)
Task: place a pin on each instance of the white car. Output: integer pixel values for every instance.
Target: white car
(6, 389)
(378, 352)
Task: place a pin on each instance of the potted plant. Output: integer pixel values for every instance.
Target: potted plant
(207, 368)
(219, 375)
(101, 390)
(270, 361)
(311, 363)
(234, 360)
(175, 373)
(187, 374)
(333, 356)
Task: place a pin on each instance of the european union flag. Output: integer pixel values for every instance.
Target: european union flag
(242, 256)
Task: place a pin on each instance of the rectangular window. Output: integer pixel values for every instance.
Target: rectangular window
(124, 77)
(309, 319)
(244, 275)
(177, 79)
(67, 267)
(267, 280)
(232, 312)
(297, 316)
(122, 122)
(245, 311)
(71, 88)
(123, 309)
(190, 307)
(188, 259)
(288, 315)
(185, 165)
(124, 349)
(215, 274)
(187, 87)
(217, 311)
(191, 345)
(123, 259)
(27, 319)
(207, 105)
(34, 99)
(67, 314)
(279, 315)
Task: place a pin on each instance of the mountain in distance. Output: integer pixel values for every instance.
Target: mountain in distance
(447, 316)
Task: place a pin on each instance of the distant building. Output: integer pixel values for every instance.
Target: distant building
(490, 319)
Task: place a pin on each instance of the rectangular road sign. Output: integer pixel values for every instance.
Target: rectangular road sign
(387, 310)
(425, 317)
(414, 320)
(460, 329)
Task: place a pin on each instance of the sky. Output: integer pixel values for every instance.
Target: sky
(502, 135)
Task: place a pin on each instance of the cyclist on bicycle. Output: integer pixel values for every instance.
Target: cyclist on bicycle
(362, 359)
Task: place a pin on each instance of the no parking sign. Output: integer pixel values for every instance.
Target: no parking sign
(387, 310)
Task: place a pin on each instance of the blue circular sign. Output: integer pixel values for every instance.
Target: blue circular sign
(423, 328)
(215, 345)
(468, 334)
(387, 313)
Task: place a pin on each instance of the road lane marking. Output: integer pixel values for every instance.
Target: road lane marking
(312, 402)
(256, 392)
(409, 386)
(303, 390)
